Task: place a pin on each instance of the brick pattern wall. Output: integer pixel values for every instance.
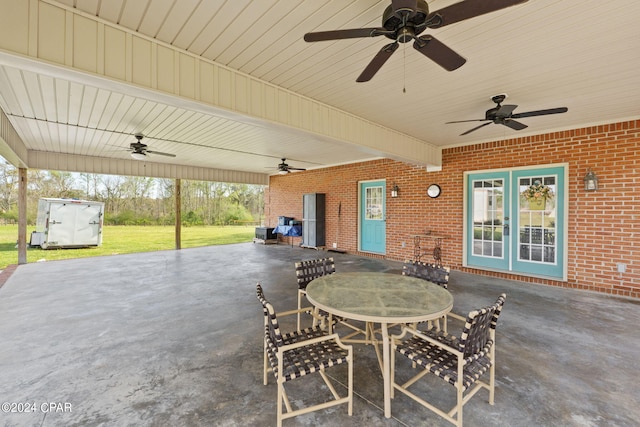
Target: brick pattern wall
(603, 226)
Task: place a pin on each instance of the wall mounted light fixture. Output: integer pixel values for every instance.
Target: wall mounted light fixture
(394, 191)
(590, 181)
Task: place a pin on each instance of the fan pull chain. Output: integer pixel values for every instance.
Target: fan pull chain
(404, 68)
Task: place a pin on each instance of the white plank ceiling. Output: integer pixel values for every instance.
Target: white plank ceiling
(580, 54)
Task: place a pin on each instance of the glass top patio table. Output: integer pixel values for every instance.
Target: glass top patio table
(380, 298)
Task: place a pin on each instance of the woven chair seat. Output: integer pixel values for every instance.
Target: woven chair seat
(308, 359)
(443, 363)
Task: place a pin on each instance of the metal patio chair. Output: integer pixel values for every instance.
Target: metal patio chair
(299, 354)
(433, 273)
(459, 361)
(306, 271)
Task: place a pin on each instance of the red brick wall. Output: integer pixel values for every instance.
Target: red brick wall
(603, 226)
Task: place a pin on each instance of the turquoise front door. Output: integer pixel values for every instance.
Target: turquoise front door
(373, 229)
(505, 232)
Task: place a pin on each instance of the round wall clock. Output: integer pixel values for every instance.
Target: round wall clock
(434, 191)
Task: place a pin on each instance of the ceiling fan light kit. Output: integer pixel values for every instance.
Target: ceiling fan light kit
(138, 156)
(404, 21)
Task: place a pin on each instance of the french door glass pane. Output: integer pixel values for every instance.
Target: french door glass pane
(488, 217)
(537, 234)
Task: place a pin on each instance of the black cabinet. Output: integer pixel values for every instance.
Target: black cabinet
(313, 218)
(265, 233)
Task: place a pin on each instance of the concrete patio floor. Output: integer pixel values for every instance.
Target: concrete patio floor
(174, 338)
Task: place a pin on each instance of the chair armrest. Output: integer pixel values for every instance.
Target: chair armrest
(305, 310)
(294, 311)
(427, 338)
(332, 337)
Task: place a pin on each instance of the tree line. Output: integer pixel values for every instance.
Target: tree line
(131, 200)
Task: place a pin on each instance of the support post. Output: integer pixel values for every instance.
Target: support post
(22, 216)
(178, 215)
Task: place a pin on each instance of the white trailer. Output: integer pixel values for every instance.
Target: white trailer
(68, 223)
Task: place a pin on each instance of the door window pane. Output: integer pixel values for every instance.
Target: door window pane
(488, 217)
(373, 203)
(537, 210)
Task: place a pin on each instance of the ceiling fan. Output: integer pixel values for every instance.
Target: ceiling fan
(405, 20)
(284, 168)
(139, 150)
(503, 115)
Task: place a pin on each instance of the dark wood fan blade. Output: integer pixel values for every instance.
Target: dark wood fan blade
(377, 62)
(505, 110)
(513, 124)
(540, 112)
(344, 34)
(438, 52)
(160, 153)
(466, 121)
(467, 9)
(475, 128)
(296, 169)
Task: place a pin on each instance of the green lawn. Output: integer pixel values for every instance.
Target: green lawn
(125, 239)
